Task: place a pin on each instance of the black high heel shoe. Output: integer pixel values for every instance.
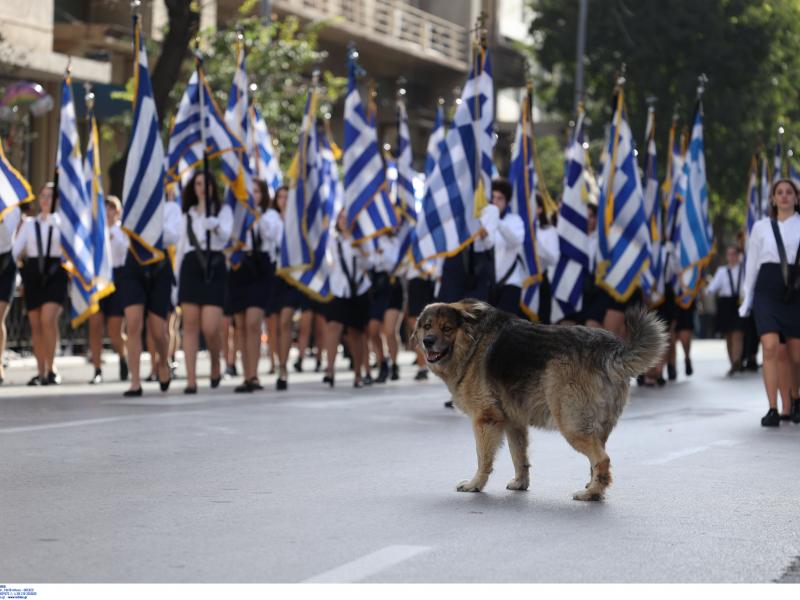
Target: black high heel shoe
(132, 393)
(190, 390)
(328, 379)
(215, 382)
(281, 385)
(164, 385)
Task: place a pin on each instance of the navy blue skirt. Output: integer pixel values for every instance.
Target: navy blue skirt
(420, 294)
(773, 312)
(250, 285)
(148, 285)
(8, 277)
(204, 288)
(43, 288)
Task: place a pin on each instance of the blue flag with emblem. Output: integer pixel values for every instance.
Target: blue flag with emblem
(623, 235)
(460, 183)
(369, 209)
(572, 226)
(143, 186)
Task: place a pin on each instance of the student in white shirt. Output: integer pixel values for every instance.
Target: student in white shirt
(727, 285)
(274, 301)
(508, 239)
(250, 285)
(206, 230)
(8, 273)
(45, 282)
(111, 311)
(776, 306)
(385, 304)
(349, 281)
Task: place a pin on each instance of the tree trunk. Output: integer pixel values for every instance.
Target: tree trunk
(182, 26)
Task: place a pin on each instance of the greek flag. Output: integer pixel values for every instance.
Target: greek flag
(623, 236)
(185, 148)
(695, 229)
(143, 187)
(752, 195)
(74, 211)
(102, 284)
(406, 199)
(369, 208)
(650, 276)
(296, 247)
(238, 122)
(14, 190)
(572, 226)
(460, 183)
(671, 200)
(777, 160)
(264, 161)
(522, 175)
(763, 208)
(313, 280)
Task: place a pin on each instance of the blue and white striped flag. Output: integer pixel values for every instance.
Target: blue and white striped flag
(296, 248)
(460, 185)
(143, 187)
(406, 200)
(695, 235)
(369, 209)
(652, 209)
(264, 161)
(777, 159)
(522, 175)
(185, 148)
(238, 122)
(14, 189)
(74, 211)
(103, 282)
(763, 207)
(623, 236)
(572, 226)
(752, 196)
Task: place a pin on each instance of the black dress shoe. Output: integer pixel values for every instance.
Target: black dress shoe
(98, 377)
(244, 388)
(796, 410)
(132, 393)
(281, 385)
(298, 365)
(35, 380)
(328, 379)
(771, 419)
(358, 384)
(422, 375)
(255, 385)
(367, 379)
(123, 369)
(190, 390)
(661, 382)
(164, 385)
(449, 404)
(395, 373)
(672, 372)
(689, 369)
(53, 378)
(786, 417)
(383, 372)
(215, 382)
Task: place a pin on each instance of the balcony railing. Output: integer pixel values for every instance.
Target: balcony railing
(392, 23)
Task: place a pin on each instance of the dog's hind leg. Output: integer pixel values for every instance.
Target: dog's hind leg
(488, 428)
(518, 445)
(593, 448)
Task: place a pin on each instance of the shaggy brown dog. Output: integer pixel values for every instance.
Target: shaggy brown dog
(508, 374)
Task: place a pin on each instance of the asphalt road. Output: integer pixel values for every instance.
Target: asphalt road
(359, 485)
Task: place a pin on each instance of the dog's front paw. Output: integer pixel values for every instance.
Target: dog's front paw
(470, 486)
(587, 496)
(518, 484)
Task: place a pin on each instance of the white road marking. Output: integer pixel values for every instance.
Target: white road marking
(83, 422)
(363, 567)
(688, 452)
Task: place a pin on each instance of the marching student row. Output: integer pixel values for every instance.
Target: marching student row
(368, 294)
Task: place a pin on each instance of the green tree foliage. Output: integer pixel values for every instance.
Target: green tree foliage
(750, 51)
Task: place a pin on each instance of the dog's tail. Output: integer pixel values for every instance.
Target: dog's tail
(647, 341)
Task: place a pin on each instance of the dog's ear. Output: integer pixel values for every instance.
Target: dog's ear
(471, 310)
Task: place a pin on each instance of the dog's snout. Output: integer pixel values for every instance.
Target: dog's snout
(428, 341)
